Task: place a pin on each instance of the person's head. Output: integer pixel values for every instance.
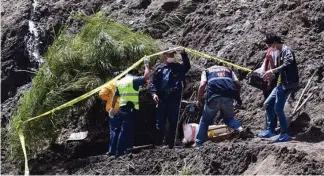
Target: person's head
(168, 57)
(273, 40)
(133, 72)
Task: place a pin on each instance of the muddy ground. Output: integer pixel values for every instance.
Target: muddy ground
(242, 157)
(228, 29)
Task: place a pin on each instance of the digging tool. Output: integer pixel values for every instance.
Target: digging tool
(139, 148)
(176, 132)
(308, 97)
(308, 83)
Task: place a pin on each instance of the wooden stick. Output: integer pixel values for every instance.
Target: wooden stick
(192, 95)
(217, 127)
(140, 147)
(304, 102)
(308, 83)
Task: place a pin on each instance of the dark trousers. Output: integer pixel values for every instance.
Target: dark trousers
(167, 108)
(125, 139)
(114, 128)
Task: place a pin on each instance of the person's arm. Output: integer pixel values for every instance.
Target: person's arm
(147, 69)
(201, 89)
(261, 69)
(113, 104)
(154, 86)
(200, 93)
(116, 95)
(288, 57)
(238, 87)
(185, 61)
(287, 60)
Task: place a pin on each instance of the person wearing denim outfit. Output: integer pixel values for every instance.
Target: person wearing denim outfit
(288, 81)
(222, 87)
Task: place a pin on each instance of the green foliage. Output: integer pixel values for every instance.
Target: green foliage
(75, 64)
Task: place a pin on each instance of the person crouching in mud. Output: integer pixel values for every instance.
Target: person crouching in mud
(222, 87)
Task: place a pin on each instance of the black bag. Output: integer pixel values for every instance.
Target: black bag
(256, 81)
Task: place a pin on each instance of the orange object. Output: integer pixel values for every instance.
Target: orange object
(107, 94)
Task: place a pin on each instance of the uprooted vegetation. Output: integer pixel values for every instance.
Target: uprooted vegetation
(75, 64)
(229, 29)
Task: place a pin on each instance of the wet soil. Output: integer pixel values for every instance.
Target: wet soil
(227, 29)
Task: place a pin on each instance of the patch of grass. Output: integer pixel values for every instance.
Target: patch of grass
(74, 65)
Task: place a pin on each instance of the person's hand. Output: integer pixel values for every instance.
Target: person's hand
(238, 104)
(268, 74)
(199, 104)
(146, 61)
(156, 98)
(180, 48)
(251, 73)
(112, 113)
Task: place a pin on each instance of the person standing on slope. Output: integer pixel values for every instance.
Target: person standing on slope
(287, 82)
(269, 62)
(128, 92)
(166, 89)
(107, 94)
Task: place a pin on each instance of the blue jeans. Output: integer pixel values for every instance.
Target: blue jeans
(211, 108)
(275, 119)
(114, 127)
(275, 103)
(167, 108)
(125, 139)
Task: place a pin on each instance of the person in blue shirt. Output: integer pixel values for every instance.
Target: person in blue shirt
(128, 91)
(166, 89)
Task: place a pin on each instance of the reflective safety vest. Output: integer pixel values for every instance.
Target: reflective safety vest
(127, 92)
(220, 82)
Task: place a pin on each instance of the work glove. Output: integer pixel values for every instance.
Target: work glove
(146, 61)
(180, 49)
(112, 113)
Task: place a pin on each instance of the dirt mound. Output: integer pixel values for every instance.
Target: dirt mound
(253, 157)
(228, 29)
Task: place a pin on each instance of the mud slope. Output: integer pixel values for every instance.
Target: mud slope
(231, 29)
(253, 157)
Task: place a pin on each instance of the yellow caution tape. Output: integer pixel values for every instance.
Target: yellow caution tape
(86, 95)
(217, 59)
(72, 102)
(23, 145)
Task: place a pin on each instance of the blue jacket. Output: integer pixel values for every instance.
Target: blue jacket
(167, 78)
(220, 83)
